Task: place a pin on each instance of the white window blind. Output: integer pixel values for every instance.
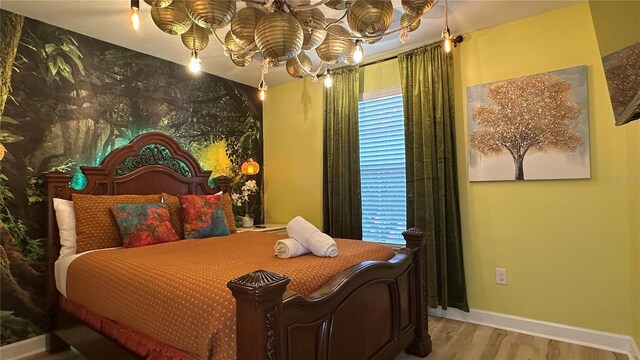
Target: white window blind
(382, 169)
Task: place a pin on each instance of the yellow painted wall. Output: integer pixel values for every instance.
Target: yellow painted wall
(571, 247)
(616, 24)
(566, 243)
(379, 76)
(292, 125)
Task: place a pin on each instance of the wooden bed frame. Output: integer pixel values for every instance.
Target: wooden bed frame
(373, 310)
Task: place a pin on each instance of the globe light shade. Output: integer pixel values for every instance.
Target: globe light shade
(279, 36)
(299, 68)
(250, 167)
(370, 17)
(410, 22)
(231, 43)
(197, 38)
(242, 61)
(335, 48)
(159, 3)
(172, 19)
(243, 25)
(313, 36)
(417, 7)
(212, 14)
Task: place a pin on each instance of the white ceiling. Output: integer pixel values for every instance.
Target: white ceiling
(108, 20)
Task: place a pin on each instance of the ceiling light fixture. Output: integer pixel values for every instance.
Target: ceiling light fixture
(282, 31)
(135, 19)
(358, 53)
(446, 33)
(449, 42)
(328, 79)
(195, 65)
(262, 88)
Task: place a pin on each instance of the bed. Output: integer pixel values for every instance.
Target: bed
(272, 321)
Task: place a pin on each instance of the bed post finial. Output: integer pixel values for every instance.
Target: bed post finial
(258, 297)
(414, 237)
(421, 345)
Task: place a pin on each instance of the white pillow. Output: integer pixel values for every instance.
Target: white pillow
(66, 218)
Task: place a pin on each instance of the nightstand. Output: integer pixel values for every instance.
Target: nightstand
(270, 228)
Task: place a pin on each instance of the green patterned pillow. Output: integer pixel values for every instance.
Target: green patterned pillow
(144, 224)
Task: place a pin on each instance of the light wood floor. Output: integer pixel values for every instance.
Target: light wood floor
(455, 340)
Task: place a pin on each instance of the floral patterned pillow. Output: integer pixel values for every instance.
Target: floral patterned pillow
(203, 216)
(144, 224)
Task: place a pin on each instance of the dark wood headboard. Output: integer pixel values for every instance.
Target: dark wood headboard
(151, 163)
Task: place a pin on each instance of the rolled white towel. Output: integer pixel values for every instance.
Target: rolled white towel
(323, 245)
(288, 248)
(309, 236)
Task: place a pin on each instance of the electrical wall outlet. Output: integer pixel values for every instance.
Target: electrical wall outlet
(501, 276)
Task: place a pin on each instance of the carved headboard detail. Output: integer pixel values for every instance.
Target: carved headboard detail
(151, 163)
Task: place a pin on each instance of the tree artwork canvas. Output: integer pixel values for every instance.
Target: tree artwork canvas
(622, 70)
(530, 128)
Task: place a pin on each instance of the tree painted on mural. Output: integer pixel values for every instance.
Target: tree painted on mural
(20, 276)
(527, 114)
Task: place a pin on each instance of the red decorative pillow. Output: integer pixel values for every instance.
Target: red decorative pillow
(203, 216)
(144, 224)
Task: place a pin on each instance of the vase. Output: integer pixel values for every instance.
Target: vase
(247, 221)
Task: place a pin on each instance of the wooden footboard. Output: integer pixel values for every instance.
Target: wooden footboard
(373, 310)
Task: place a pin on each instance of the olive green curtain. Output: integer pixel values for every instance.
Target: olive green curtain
(426, 76)
(342, 204)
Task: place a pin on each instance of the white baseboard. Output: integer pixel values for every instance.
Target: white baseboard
(24, 348)
(571, 334)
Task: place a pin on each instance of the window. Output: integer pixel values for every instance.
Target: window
(382, 167)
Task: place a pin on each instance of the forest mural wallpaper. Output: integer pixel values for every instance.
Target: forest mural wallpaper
(68, 100)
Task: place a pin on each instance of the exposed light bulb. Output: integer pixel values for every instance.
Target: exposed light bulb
(262, 88)
(448, 45)
(328, 80)
(446, 39)
(358, 53)
(135, 19)
(194, 64)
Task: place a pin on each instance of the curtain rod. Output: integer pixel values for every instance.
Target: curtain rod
(379, 61)
(458, 39)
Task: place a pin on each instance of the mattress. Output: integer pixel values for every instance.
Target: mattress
(62, 266)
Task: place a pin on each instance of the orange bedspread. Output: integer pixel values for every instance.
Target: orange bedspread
(176, 292)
